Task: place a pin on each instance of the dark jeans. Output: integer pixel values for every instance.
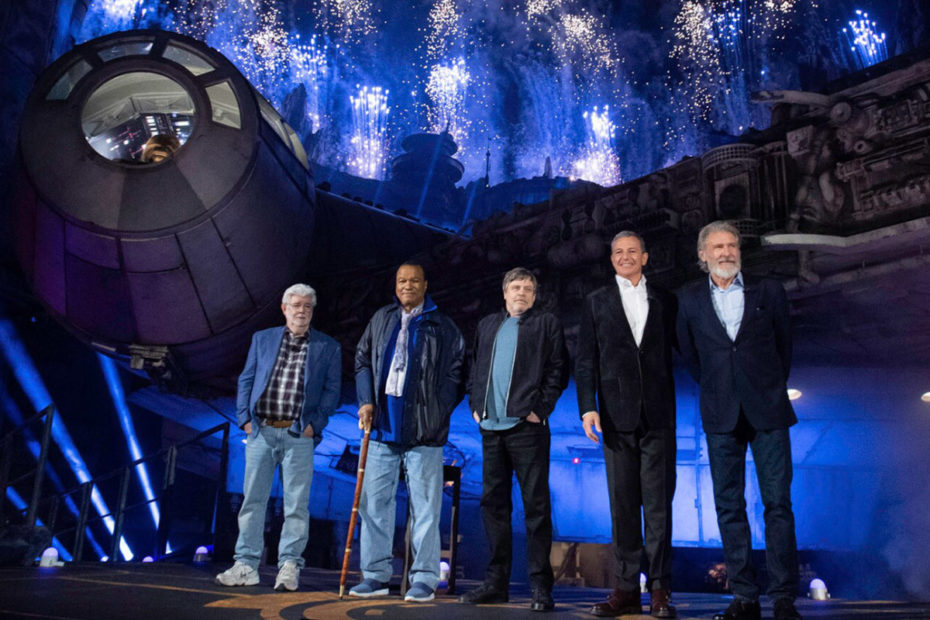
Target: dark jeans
(641, 479)
(771, 451)
(524, 450)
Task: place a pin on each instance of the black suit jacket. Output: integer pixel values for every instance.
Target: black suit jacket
(615, 377)
(748, 373)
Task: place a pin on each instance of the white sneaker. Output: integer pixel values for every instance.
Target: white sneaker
(239, 575)
(287, 577)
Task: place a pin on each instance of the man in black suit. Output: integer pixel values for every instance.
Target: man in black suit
(626, 392)
(735, 335)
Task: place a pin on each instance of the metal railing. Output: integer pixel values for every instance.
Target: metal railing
(164, 499)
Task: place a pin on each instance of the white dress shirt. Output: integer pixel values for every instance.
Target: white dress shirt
(635, 305)
(397, 375)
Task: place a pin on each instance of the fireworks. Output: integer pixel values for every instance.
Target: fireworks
(721, 54)
(348, 20)
(446, 89)
(309, 65)
(866, 44)
(443, 30)
(537, 8)
(598, 161)
(368, 144)
(581, 40)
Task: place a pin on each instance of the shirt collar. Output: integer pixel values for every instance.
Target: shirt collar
(623, 283)
(292, 336)
(737, 283)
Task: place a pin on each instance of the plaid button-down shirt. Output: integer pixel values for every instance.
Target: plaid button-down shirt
(284, 396)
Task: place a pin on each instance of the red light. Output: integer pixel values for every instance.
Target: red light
(576, 460)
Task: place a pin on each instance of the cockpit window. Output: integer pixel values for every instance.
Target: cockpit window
(66, 83)
(225, 105)
(193, 62)
(133, 48)
(125, 112)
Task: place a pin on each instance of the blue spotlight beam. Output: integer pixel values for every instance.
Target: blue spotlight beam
(31, 382)
(111, 374)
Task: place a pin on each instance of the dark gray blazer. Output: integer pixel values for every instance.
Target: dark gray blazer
(616, 378)
(749, 373)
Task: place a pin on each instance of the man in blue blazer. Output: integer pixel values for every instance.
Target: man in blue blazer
(287, 391)
(735, 335)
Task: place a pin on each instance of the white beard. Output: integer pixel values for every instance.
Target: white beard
(725, 271)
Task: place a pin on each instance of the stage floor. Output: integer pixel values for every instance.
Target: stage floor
(178, 591)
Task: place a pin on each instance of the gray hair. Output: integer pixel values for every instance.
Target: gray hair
(713, 227)
(623, 234)
(519, 273)
(301, 290)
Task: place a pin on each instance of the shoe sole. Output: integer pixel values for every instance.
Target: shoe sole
(382, 592)
(235, 585)
(280, 587)
(626, 611)
(419, 599)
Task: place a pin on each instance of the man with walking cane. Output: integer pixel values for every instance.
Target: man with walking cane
(408, 377)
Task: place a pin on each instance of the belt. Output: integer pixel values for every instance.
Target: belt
(277, 423)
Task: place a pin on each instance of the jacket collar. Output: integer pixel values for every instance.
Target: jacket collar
(503, 314)
(428, 305)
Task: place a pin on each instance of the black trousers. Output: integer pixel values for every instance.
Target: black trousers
(524, 450)
(771, 451)
(640, 485)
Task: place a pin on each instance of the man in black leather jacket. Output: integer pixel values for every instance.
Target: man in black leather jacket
(408, 378)
(519, 369)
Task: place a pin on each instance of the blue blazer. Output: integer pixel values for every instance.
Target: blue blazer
(748, 373)
(322, 379)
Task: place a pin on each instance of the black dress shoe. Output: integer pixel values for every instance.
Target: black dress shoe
(542, 600)
(660, 605)
(785, 610)
(740, 610)
(619, 602)
(484, 595)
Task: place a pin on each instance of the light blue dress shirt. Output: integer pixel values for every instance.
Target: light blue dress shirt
(729, 304)
(505, 348)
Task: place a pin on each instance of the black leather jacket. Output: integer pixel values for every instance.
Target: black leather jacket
(436, 366)
(540, 365)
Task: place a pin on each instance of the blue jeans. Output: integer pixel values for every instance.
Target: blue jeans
(771, 451)
(269, 448)
(377, 508)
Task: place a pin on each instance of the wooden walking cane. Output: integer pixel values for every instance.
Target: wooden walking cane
(360, 477)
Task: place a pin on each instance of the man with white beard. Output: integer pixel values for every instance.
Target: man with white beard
(734, 332)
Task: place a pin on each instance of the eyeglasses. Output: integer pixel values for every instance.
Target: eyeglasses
(301, 306)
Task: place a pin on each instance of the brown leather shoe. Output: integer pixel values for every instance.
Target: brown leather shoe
(618, 603)
(660, 605)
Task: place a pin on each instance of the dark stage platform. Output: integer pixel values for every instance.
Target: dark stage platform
(178, 591)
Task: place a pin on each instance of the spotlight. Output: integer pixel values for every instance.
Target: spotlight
(818, 590)
(642, 583)
(444, 573)
(50, 558)
(925, 397)
(793, 394)
(148, 559)
(201, 555)
(575, 460)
